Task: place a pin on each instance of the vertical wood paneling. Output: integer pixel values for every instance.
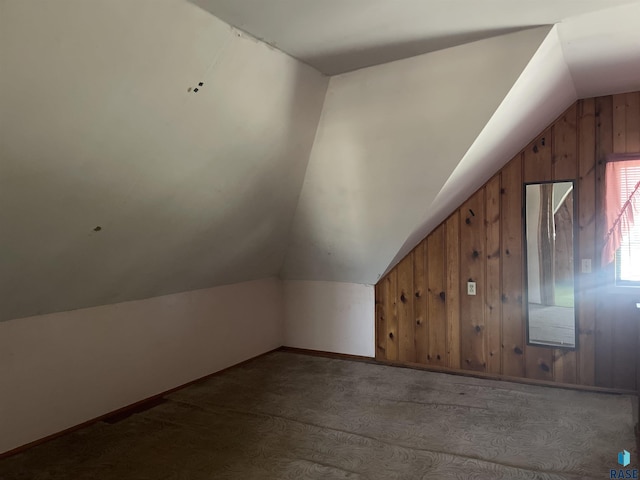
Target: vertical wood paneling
(420, 297)
(439, 324)
(565, 366)
(538, 168)
(539, 362)
(452, 292)
(632, 114)
(472, 269)
(511, 254)
(492, 282)
(537, 159)
(565, 167)
(391, 314)
(586, 240)
(381, 326)
(437, 308)
(604, 317)
(565, 146)
(619, 123)
(406, 330)
(625, 334)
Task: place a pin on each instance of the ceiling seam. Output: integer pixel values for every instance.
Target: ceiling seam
(264, 42)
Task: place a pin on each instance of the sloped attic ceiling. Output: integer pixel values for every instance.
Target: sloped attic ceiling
(336, 36)
(586, 56)
(388, 139)
(98, 128)
(383, 171)
(543, 91)
(101, 126)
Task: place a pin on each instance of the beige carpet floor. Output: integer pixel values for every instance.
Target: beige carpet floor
(291, 416)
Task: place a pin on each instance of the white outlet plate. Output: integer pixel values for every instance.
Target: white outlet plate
(586, 265)
(471, 288)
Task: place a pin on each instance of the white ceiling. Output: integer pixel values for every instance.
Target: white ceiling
(191, 190)
(336, 36)
(602, 50)
(541, 93)
(587, 56)
(388, 139)
(98, 128)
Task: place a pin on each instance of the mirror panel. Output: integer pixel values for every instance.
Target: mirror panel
(549, 247)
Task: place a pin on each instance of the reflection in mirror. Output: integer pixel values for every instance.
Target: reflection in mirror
(550, 270)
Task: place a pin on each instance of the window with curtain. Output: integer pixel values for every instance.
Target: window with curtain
(622, 211)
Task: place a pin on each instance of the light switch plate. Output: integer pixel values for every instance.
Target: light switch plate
(586, 265)
(471, 288)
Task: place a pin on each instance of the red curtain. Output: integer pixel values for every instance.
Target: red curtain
(622, 203)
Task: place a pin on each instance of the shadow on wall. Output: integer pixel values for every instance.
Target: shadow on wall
(198, 196)
(330, 316)
(532, 103)
(317, 249)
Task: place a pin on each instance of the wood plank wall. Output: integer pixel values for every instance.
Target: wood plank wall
(423, 314)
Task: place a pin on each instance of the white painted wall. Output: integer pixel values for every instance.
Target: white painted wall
(98, 128)
(61, 369)
(540, 94)
(330, 316)
(602, 50)
(389, 138)
(342, 35)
